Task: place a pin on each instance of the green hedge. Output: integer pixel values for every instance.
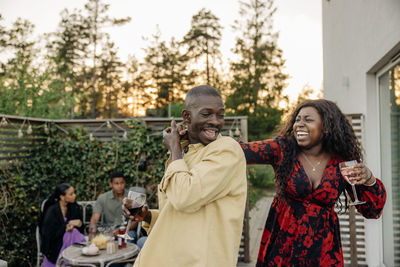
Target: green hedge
(71, 158)
(261, 180)
(262, 176)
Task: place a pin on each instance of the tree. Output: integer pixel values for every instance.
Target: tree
(258, 78)
(25, 89)
(67, 50)
(67, 79)
(167, 68)
(135, 94)
(203, 41)
(110, 80)
(94, 23)
(3, 43)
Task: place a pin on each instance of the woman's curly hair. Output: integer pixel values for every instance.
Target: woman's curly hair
(338, 138)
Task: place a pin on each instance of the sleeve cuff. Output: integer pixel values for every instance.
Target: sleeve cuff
(369, 185)
(148, 226)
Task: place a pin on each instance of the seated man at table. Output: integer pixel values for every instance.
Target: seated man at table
(109, 204)
(202, 195)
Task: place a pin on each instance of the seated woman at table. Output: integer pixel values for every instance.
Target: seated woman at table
(61, 223)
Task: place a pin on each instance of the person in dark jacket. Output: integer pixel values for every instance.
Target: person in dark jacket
(61, 223)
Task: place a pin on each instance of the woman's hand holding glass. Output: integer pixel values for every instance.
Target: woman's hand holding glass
(359, 174)
(356, 174)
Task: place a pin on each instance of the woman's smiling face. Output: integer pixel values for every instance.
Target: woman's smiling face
(307, 128)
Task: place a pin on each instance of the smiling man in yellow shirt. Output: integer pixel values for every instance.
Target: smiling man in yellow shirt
(202, 195)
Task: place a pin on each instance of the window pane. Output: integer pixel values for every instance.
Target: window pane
(389, 85)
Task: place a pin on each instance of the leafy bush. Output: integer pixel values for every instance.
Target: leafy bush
(261, 182)
(261, 176)
(71, 158)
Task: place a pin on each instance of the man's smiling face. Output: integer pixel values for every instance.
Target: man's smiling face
(205, 119)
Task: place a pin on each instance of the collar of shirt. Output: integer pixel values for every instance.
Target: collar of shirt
(112, 196)
(191, 148)
(195, 147)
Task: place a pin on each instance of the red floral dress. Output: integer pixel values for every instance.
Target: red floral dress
(304, 229)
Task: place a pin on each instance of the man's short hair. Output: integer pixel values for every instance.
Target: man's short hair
(201, 90)
(116, 174)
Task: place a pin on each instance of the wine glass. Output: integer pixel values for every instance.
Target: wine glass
(346, 168)
(134, 203)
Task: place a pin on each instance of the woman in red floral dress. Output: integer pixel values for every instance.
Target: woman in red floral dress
(302, 228)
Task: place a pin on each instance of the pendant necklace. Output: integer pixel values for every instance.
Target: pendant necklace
(312, 165)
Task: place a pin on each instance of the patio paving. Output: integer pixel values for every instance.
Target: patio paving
(258, 215)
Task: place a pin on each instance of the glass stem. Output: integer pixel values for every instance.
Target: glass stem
(353, 187)
(128, 226)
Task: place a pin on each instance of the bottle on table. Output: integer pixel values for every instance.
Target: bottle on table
(121, 240)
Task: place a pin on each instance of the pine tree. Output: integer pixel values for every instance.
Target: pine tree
(258, 78)
(135, 96)
(67, 55)
(110, 80)
(167, 68)
(203, 42)
(95, 22)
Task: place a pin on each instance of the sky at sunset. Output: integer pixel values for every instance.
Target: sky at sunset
(298, 22)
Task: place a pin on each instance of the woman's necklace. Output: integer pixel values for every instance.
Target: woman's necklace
(63, 209)
(312, 165)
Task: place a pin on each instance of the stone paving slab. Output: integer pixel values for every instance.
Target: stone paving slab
(258, 216)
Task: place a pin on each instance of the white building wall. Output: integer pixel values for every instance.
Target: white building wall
(356, 35)
(359, 38)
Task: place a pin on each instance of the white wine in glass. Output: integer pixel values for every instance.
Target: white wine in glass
(345, 168)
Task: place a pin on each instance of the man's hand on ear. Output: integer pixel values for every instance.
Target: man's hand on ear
(172, 140)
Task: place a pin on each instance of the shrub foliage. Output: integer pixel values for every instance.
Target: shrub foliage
(83, 163)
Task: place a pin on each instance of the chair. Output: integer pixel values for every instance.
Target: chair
(39, 255)
(87, 209)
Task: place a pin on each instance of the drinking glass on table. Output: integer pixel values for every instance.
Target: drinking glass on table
(346, 168)
(134, 203)
(92, 232)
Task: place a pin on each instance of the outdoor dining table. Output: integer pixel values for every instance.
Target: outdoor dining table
(73, 255)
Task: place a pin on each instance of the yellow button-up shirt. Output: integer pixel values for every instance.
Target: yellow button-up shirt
(202, 200)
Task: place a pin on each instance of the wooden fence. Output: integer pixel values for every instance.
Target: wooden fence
(18, 134)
